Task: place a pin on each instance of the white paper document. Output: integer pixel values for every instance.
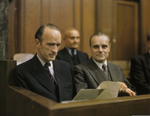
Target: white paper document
(107, 89)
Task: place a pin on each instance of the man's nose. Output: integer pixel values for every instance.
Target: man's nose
(55, 49)
(76, 40)
(100, 48)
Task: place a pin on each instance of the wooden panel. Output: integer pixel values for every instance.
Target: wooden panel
(126, 30)
(12, 33)
(77, 17)
(45, 11)
(20, 24)
(32, 23)
(6, 67)
(61, 14)
(87, 23)
(144, 25)
(31, 104)
(29, 20)
(105, 20)
(88, 16)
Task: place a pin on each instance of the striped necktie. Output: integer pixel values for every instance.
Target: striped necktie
(105, 69)
(46, 66)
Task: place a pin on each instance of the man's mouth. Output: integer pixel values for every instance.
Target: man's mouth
(100, 54)
(52, 55)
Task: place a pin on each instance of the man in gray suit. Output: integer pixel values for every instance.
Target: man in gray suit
(90, 74)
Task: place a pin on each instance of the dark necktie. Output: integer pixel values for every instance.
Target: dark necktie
(74, 57)
(105, 69)
(48, 71)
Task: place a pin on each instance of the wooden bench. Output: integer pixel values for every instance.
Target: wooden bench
(17, 101)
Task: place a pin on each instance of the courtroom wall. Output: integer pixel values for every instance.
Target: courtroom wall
(117, 18)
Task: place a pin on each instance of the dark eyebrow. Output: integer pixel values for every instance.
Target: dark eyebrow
(95, 46)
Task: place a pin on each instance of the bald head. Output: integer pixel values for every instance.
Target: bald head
(41, 29)
(72, 38)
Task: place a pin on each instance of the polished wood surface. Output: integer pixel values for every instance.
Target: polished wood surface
(122, 20)
(25, 102)
(144, 24)
(6, 67)
(126, 30)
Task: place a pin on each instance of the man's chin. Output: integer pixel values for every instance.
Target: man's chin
(52, 59)
(100, 60)
(74, 47)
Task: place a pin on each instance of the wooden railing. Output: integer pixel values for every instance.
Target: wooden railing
(17, 101)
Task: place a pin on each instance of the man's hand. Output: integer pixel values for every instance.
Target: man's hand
(130, 92)
(123, 88)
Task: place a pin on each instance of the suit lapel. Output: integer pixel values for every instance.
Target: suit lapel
(57, 71)
(113, 72)
(58, 77)
(41, 75)
(67, 56)
(79, 56)
(96, 72)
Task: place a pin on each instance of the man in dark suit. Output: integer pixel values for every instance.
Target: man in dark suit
(90, 74)
(140, 72)
(70, 53)
(43, 74)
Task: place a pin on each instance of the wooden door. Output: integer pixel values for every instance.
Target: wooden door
(125, 39)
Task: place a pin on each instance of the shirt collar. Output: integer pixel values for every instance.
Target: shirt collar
(100, 64)
(69, 50)
(42, 62)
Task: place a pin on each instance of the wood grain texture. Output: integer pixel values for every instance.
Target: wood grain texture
(117, 18)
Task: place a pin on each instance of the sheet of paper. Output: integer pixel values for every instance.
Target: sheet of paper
(109, 85)
(84, 94)
(111, 90)
(107, 89)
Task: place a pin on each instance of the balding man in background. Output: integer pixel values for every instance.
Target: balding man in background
(70, 53)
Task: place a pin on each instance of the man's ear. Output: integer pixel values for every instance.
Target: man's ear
(37, 42)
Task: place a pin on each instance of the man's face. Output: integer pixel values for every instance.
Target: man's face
(72, 39)
(48, 48)
(100, 48)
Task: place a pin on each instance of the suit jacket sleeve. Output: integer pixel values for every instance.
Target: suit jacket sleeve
(80, 81)
(126, 81)
(19, 79)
